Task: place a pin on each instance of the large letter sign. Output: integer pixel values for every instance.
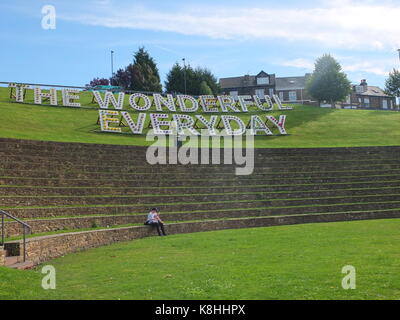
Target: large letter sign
(167, 114)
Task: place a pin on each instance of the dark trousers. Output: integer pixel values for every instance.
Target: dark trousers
(158, 225)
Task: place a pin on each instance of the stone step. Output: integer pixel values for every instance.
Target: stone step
(32, 144)
(287, 208)
(2, 256)
(62, 167)
(234, 180)
(49, 146)
(22, 265)
(43, 248)
(123, 161)
(100, 190)
(12, 229)
(9, 261)
(14, 201)
(140, 157)
(272, 174)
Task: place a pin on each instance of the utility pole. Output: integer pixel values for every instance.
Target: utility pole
(184, 72)
(112, 66)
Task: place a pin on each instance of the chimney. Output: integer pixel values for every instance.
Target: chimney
(364, 85)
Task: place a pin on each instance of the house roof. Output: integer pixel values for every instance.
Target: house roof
(244, 81)
(235, 82)
(290, 83)
(373, 91)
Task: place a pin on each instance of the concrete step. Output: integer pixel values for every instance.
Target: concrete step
(11, 260)
(22, 265)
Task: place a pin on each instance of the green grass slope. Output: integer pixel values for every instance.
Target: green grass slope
(285, 262)
(307, 126)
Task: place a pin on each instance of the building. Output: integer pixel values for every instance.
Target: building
(289, 89)
(292, 89)
(365, 96)
(260, 85)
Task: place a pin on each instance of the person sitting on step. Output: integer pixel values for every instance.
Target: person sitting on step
(153, 219)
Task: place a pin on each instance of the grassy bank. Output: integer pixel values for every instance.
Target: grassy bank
(307, 126)
(286, 262)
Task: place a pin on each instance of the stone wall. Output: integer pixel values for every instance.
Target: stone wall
(44, 248)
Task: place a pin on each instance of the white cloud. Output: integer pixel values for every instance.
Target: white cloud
(341, 23)
(299, 63)
(373, 66)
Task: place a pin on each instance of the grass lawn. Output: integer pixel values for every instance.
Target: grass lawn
(286, 262)
(307, 126)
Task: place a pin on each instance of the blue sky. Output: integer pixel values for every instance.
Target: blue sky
(231, 38)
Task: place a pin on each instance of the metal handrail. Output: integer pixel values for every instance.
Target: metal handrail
(25, 226)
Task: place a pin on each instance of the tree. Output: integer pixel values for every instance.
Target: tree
(206, 75)
(328, 82)
(392, 85)
(205, 89)
(175, 80)
(194, 80)
(141, 75)
(98, 82)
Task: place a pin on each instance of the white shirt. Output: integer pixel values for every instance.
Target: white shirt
(152, 217)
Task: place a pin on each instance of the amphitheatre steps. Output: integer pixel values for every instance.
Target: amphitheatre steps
(186, 175)
(145, 191)
(278, 168)
(379, 194)
(43, 248)
(119, 158)
(122, 159)
(236, 180)
(37, 146)
(249, 207)
(12, 229)
(71, 186)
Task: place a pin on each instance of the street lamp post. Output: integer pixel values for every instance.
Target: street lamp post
(112, 66)
(184, 72)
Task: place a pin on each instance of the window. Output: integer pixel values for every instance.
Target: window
(384, 104)
(281, 96)
(366, 102)
(271, 92)
(234, 94)
(359, 89)
(292, 96)
(264, 80)
(260, 93)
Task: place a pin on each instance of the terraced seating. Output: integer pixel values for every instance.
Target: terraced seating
(77, 196)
